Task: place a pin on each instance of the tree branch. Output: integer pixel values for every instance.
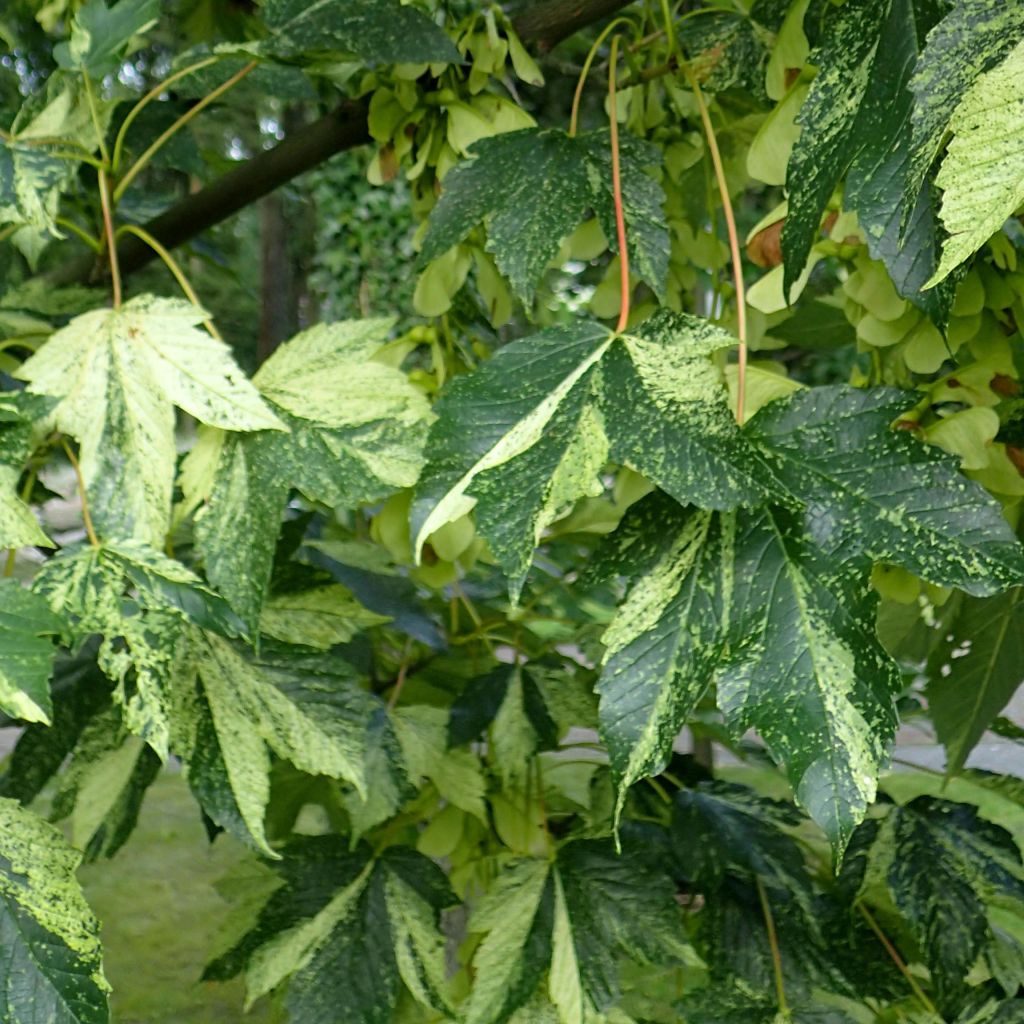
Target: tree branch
(542, 26)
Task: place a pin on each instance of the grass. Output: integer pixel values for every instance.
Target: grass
(161, 916)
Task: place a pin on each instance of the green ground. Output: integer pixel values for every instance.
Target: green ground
(161, 915)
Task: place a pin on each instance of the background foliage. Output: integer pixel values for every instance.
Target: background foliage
(523, 470)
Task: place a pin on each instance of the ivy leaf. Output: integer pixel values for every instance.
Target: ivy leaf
(349, 931)
(983, 168)
(355, 433)
(533, 187)
(141, 633)
(100, 33)
(375, 31)
(27, 628)
(650, 400)
(302, 707)
(973, 37)
(575, 917)
(119, 373)
(876, 491)
(975, 669)
(49, 938)
(944, 864)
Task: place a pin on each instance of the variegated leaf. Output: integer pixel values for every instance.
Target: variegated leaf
(521, 456)
(355, 430)
(119, 374)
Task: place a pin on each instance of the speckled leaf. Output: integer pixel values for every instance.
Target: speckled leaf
(49, 938)
(976, 667)
(575, 917)
(649, 399)
(875, 180)
(533, 187)
(302, 707)
(982, 173)
(320, 617)
(944, 864)
(827, 144)
(27, 628)
(119, 373)
(872, 490)
(666, 640)
(103, 787)
(355, 433)
(973, 37)
(99, 34)
(18, 525)
(735, 847)
(347, 931)
(32, 177)
(457, 775)
(139, 602)
(378, 31)
(805, 668)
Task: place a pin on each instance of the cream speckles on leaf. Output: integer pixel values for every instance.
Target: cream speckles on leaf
(118, 375)
(982, 173)
(18, 525)
(49, 938)
(534, 187)
(349, 931)
(650, 399)
(27, 627)
(355, 432)
(302, 707)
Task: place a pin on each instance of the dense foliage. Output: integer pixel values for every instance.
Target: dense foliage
(538, 620)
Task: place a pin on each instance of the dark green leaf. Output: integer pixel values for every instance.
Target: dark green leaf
(100, 33)
(872, 490)
(376, 31)
(534, 186)
(975, 669)
(348, 931)
(27, 628)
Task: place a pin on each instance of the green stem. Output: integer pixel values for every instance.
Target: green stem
(94, 113)
(90, 240)
(148, 98)
(578, 95)
(730, 219)
(620, 219)
(173, 266)
(773, 942)
(111, 237)
(86, 513)
(194, 111)
(898, 961)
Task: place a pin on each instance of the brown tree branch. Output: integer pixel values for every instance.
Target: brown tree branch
(542, 26)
